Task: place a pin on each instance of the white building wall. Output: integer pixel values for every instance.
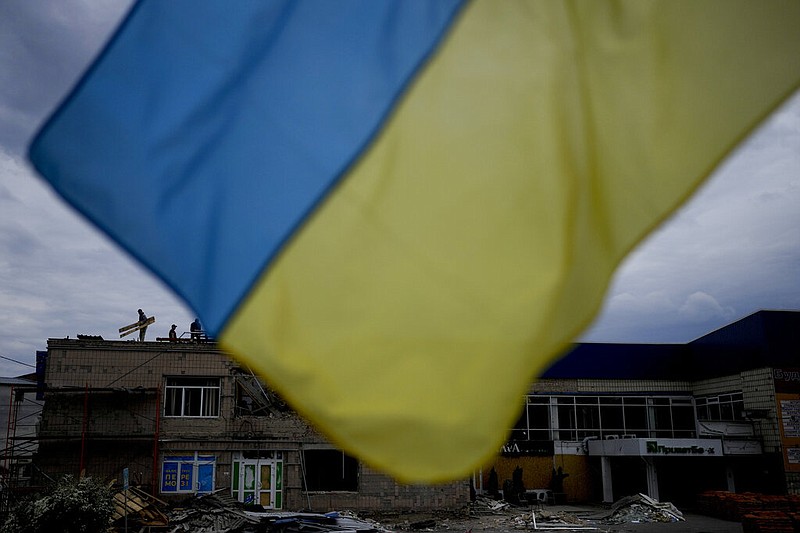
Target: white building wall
(759, 396)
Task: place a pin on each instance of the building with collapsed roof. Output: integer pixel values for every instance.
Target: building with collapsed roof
(607, 420)
(182, 418)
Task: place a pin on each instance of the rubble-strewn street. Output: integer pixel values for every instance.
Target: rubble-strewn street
(219, 513)
(635, 514)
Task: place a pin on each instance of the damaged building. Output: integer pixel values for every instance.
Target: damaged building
(183, 418)
(604, 422)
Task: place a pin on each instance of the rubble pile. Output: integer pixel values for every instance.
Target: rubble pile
(483, 506)
(141, 509)
(641, 508)
(221, 513)
(333, 522)
(212, 512)
(500, 515)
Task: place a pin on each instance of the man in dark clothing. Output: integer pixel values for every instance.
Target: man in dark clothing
(143, 329)
(196, 329)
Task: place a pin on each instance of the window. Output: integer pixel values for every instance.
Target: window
(538, 418)
(520, 429)
(188, 474)
(723, 407)
(330, 470)
(587, 416)
(661, 422)
(612, 419)
(579, 417)
(254, 398)
(635, 413)
(683, 419)
(566, 418)
(192, 397)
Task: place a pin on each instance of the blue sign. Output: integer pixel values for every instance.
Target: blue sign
(169, 477)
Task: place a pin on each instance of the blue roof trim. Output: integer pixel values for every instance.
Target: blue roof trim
(763, 339)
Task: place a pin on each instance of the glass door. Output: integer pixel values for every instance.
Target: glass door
(258, 481)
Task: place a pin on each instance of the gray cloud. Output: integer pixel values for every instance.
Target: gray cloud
(44, 47)
(58, 275)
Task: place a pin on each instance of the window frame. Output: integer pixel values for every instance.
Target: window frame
(324, 481)
(188, 466)
(180, 393)
(574, 417)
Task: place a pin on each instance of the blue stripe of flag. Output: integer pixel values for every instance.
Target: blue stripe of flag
(207, 131)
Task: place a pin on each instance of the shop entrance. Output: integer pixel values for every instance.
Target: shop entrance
(259, 480)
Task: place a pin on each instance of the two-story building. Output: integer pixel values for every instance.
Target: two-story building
(670, 420)
(183, 418)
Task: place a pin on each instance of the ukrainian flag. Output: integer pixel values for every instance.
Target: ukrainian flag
(400, 212)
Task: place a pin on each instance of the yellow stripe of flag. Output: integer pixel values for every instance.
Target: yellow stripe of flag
(477, 236)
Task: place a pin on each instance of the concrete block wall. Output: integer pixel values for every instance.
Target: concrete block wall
(718, 385)
(287, 427)
(622, 386)
(103, 364)
(616, 386)
(377, 491)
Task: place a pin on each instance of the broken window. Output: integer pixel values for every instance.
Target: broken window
(192, 397)
(330, 470)
(724, 407)
(253, 398)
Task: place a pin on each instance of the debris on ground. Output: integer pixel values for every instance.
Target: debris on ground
(316, 523)
(500, 515)
(142, 509)
(641, 508)
(221, 513)
(483, 505)
(211, 512)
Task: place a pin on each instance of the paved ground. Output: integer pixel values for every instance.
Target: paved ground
(586, 518)
(692, 523)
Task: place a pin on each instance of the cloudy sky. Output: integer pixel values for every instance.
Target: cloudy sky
(734, 249)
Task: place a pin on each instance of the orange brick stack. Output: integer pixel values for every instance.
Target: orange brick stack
(758, 513)
(768, 522)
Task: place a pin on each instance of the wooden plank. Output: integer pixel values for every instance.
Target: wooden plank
(139, 325)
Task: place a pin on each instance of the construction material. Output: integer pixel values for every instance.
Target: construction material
(136, 326)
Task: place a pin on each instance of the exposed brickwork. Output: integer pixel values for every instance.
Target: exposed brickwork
(102, 399)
